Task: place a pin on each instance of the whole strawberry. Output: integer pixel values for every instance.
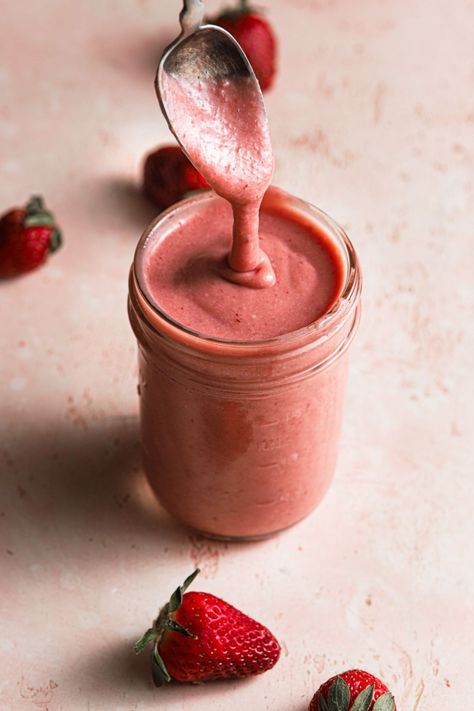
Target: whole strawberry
(168, 175)
(354, 690)
(256, 37)
(198, 637)
(27, 236)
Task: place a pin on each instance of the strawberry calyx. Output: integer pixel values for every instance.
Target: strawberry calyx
(165, 622)
(243, 8)
(36, 215)
(339, 697)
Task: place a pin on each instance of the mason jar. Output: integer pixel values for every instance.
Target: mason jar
(240, 438)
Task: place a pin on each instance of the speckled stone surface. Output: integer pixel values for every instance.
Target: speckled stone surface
(372, 119)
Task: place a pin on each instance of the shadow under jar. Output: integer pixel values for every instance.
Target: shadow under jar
(240, 438)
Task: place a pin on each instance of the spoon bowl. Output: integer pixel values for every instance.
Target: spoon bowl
(213, 104)
(210, 54)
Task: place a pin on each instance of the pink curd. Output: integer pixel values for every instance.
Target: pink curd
(240, 434)
(183, 274)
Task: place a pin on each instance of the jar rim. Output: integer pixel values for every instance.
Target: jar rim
(346, 301)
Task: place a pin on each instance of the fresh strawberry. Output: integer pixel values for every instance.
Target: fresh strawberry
(256, 37)
(27, 236)
(168, 175)
(199, 637)
(354, 690)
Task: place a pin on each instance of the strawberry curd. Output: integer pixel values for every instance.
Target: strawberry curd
(241, 389)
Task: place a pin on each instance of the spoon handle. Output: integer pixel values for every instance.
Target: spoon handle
(191, 17)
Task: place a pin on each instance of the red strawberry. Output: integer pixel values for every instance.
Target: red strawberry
(354, 690)
(256, 37)
(168, 175)
(199, 637)
(27, 236)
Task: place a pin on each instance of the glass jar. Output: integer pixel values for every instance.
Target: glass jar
(240, 438)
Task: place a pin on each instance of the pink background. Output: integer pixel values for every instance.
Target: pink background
(372, 119)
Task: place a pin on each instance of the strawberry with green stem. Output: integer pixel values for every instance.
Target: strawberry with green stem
(198, 637)
(353, 690)
(27, 236)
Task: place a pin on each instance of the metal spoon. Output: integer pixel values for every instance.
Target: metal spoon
(213, 104)
(205, 56)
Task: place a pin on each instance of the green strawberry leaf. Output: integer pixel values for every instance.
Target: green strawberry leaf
(189, 580)
(364, 699)
(176, 627)
(35, 204)
(176, 598)
(39, 219)
(37, 214)
(158, 669)
(148, 637)
(322, 704)
(339, 695)
(385, 703)
(55, 241)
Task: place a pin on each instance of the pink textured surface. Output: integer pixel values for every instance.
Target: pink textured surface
(372, 118)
